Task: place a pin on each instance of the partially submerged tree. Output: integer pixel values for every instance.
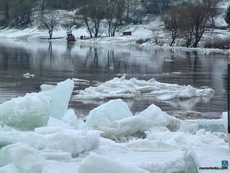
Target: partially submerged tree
(200, 13)
(191, 20)
(50, 22)
(172, 21)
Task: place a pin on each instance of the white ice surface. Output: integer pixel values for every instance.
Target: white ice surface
(102, 164)
(26, 112)
(124, 88)
(208, 125)
(70, 118)
(107, 113)
(54, 138)
(60, 97)
(24, 157)
(150, 118)
(66, 144)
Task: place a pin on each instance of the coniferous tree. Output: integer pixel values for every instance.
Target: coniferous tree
(227, 15)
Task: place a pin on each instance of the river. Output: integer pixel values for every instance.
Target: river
(52, 62)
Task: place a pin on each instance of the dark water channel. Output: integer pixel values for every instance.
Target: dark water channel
(52, 62)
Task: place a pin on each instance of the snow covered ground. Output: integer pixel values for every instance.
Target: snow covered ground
(40, 134)
(150, 34)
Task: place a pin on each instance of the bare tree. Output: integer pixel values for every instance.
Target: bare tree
(121, 6)
(162, 5)
(114, 16)
(214, 11)
(97, 14)
(93, 12)
(137, 12)
(69, 22)
(176, 21)
(172, 21)
(200, 13)
(68, 26)
(156, 6)
(50, 22)
(111, 17)
(191, 20)
(84, 12)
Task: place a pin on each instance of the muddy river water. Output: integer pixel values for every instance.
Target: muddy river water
(52, 62)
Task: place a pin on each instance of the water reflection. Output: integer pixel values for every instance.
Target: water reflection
(52, 62)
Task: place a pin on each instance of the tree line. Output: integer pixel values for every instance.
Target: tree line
(183, 18)
(191, 20)
(18, 13)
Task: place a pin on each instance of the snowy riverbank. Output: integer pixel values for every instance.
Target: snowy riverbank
(145, 35)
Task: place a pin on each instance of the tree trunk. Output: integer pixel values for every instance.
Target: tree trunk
(50, 34)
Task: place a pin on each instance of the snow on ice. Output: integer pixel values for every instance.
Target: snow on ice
(105, 164)
(26, 112)
(40, 134)
(60, 97)
(102, 118)
(107, 113)
(123, 88)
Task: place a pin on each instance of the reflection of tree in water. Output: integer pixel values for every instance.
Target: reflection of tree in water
(190, 64)
(109, 61)
(95, 59)
(69, 47)
(226, 78)
(4, 60)
(193, 61)
(14, 58)
(92, 60)
(50, 49)
(169, 66)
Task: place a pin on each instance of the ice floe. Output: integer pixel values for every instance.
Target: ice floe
(107, 113)
(26, 112)
(133, 88)
(117, 121)
(28, 75)
(40, 134)
(105, 164)
(60, 97)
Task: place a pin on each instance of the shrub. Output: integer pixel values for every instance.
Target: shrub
(217, 43)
